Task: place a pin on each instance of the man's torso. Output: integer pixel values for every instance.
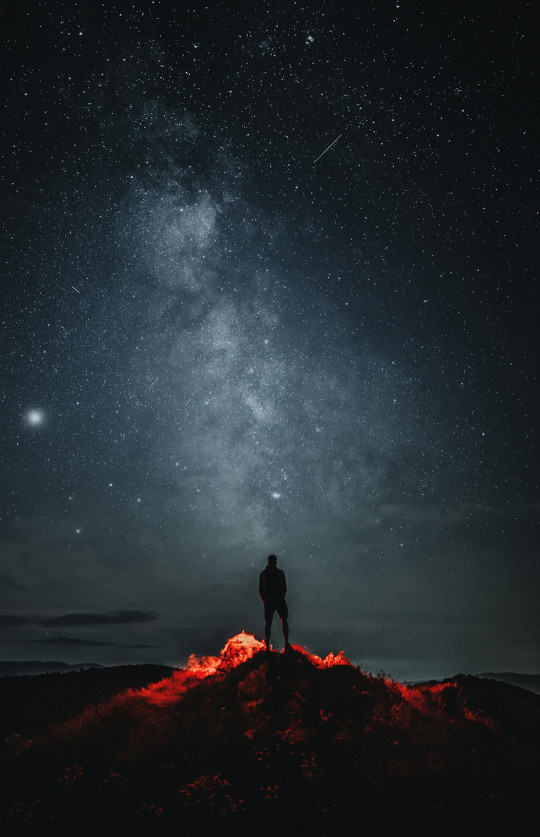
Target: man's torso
(272, 583)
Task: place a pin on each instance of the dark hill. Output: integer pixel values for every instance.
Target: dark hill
(284, 744)
(10, 669)
(31, 705)
(525, 681)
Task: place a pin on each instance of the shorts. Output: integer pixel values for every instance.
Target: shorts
(271, 605)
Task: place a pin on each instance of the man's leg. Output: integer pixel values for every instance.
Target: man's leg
(285, 626)
(267, 632)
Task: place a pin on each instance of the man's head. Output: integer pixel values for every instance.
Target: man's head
(272, 560)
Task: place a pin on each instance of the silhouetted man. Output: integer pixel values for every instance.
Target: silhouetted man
(272, 590)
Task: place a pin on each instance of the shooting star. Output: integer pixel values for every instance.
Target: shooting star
(75, 289)
(327, 149)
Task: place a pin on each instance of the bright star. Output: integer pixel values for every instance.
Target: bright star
(35, 418)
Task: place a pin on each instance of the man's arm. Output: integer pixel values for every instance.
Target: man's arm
(283, 584)
(262, 585)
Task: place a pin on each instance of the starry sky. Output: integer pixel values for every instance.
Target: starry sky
(270, 286)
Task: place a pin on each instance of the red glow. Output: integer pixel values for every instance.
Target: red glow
(170, 689)
(427, 698)
(424, 696)
(430, 696)
(330, 660)
(478, 717)
(415, 694)
(237, 650)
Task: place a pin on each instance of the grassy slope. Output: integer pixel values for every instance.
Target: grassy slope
(279, 744)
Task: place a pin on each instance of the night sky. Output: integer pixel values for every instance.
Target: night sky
(217, 343)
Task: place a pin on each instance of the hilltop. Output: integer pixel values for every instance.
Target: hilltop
(260, 743)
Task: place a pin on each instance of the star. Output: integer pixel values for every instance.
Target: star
(35, 417)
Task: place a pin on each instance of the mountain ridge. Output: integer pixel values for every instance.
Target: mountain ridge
(531, 682)
(15, 668)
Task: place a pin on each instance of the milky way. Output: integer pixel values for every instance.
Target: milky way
(215, 349)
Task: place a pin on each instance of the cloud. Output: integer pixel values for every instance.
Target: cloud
(71, 640)
(79, 641)
(121, 617)
(70, 620)
(7, 621)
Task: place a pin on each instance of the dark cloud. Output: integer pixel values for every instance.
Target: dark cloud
(122, 617)
(71, 620)
(7, 621)
(72, 640)
(79, 641)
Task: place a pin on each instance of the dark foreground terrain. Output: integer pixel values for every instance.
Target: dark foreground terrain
(265, 743)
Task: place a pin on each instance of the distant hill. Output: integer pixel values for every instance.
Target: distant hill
(30, 705)
(10, 669)
(253, 743)
(525, 681)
